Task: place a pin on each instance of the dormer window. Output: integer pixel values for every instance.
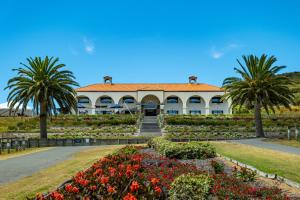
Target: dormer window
(107, 80)
(172, 100)
(216, 100)
(193, 79)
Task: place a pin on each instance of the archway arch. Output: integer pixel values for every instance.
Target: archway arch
(150, 105)
(173, 105)
(195, 105)
(84, 105)
(103, 104)
(217, 105)
(128, 104)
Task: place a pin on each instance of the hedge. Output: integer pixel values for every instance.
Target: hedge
(189, 150)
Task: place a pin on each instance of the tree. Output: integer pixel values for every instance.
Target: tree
(45, 84)
(259, 87)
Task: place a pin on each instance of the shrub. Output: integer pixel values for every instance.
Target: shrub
(128, 150)
(190, 185)
(244, 174)
(217, 166)
(189, 150)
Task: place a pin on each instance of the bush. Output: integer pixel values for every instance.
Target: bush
(217, 166)
(189, 150)
(244, 174)
(190, 186)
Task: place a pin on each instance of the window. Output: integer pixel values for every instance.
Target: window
(216, 100)
(105, 100)
(172, 100)
(101, 106)
(128, 100)
(195, 100)
(217, 112)
(83, 100)
(195, 112)
(172, 112)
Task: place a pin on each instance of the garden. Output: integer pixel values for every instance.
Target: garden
(164, 171)
(74, 126)
(227, 126)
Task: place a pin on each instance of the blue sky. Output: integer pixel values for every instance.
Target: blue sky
(148, 41)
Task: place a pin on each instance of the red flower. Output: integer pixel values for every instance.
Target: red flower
(93, 187)
(134, 186)
(111, 189)
(83, 182)
(157, 189)
(136, 167)
(112, 171)
(69, 188)
(75, 190)
(57, 196)
(129, 173)
(154, 181)
(104, 180)
(129, 196)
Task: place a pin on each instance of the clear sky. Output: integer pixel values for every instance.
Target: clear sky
(148, 40)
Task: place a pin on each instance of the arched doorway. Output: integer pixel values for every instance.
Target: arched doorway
(150, 105)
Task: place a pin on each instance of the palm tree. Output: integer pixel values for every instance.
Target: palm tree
(259, 87)
(46, 84)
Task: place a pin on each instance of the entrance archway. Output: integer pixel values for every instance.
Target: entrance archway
(150, 105)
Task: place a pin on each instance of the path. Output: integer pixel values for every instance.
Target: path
(22, 166)
(277, 147)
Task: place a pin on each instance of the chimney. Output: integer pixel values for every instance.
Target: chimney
(107, 79)
(193, 79)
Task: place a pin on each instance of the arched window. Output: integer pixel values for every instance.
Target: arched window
(83, 100)
(106, 100)
(195, 100)
(128, 100)
(172, 100)
(216, 100)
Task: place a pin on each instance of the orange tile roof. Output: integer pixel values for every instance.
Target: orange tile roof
(132, 87)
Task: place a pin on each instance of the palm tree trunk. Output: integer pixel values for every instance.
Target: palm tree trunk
(43, 120)
(258, 121)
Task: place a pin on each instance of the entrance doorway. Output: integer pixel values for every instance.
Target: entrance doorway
(150, 105)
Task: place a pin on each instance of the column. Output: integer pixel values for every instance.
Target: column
(184, 110)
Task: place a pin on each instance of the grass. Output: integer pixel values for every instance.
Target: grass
(274, 162)
(50, 178)
(13, 153)
(292, 143)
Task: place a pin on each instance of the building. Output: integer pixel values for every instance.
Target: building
(152, 98)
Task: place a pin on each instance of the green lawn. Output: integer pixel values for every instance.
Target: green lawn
(283, 164)
(52, 177)
(292, 143)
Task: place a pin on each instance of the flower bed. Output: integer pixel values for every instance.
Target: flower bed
(131, 175)
(189, 150)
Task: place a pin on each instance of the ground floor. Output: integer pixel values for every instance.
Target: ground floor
(153, 103)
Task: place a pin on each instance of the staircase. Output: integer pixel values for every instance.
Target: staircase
(150, 126)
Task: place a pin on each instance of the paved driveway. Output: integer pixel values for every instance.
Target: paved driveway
(19, 167)
(277, 147)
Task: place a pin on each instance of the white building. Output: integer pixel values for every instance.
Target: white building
(152, 99)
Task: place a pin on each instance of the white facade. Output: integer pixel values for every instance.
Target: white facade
(97, 102)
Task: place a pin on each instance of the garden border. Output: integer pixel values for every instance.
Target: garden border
(263, 174)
